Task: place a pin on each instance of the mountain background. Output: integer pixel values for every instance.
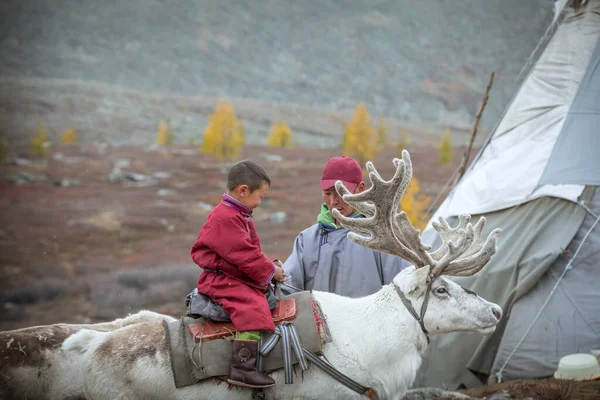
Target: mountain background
(112, 69)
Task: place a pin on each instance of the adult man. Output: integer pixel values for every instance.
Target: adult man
(324, 258)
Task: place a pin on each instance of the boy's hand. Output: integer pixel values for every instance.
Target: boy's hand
(279, 276)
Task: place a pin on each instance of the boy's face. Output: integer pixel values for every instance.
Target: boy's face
(251, 199)
(333, 200)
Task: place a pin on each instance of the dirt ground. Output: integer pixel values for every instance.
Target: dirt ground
(543, 389)
(76, 246)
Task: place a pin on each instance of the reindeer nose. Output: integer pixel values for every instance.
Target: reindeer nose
(497, 311)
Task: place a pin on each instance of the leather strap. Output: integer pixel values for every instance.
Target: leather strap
(340, 377)
(412, 311)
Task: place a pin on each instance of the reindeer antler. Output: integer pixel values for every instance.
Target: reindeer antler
(462, 251)
(379, 203)
(475, 255)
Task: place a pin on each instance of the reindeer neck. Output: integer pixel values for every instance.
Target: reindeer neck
(377, 330)
(375, 340)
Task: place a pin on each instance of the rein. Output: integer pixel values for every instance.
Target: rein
(412, 311)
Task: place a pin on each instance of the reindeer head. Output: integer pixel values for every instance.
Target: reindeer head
(449, 307)
(462, 253)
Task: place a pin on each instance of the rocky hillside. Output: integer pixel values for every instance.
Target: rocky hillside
(421, 63)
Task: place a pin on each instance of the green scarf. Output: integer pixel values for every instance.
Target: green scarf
(326, 218)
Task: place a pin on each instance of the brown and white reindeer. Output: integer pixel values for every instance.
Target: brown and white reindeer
(376, 340)
(33, 364)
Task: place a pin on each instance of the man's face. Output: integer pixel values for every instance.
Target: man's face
(333, 200)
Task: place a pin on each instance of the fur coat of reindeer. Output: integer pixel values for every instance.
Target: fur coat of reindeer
(33, 364)
(376, 340)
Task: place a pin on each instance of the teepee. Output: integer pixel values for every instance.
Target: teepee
(536, 177)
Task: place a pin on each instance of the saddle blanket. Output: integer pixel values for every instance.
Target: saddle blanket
(201, 349)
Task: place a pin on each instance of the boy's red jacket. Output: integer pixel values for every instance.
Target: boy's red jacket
(228, 245)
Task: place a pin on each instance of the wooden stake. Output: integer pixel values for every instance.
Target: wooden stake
(460, 171)
(463, 165)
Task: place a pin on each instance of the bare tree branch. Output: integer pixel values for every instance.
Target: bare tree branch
(463, 165)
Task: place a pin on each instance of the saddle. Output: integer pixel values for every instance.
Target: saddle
(201, 306)
(206, 330)
(200, 348)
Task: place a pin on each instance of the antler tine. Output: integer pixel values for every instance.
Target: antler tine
(448, 234)
(379, 189)
(403, 228)
(477, 242)
(411, 236)
(364, 206)
(471, 264)
(378, 185)
(380, 202)
(407, 172)
(454, 249)
(473, 253)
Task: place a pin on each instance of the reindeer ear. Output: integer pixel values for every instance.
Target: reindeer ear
(415, 283)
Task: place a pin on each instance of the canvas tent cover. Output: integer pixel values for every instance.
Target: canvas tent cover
(536, 178)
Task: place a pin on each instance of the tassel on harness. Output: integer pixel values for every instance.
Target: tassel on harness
(290, 337)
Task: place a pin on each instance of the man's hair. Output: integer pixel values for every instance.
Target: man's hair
(247, 172)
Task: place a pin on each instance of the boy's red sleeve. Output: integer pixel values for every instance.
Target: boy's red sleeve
(229, 238)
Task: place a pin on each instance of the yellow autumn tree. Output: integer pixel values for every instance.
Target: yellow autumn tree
(40, 143)
(224, 135)
(415, 204)
(360, 138)
(280, 135)
(70, 137)
(382, 131)
(446, 147)
(164, 136)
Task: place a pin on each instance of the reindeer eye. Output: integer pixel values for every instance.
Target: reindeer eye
(441, 290)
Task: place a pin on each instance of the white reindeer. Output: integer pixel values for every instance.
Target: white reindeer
(34, 366)
(377, 340)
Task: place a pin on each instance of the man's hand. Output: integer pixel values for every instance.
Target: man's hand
(277, 262)
(279, 276)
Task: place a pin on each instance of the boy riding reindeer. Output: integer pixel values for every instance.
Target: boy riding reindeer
(236, 271)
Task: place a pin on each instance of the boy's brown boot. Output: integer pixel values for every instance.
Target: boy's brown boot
(243, 366)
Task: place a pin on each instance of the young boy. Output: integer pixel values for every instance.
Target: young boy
(236, 271)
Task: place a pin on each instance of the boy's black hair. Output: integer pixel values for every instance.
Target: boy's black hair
(247, 172)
